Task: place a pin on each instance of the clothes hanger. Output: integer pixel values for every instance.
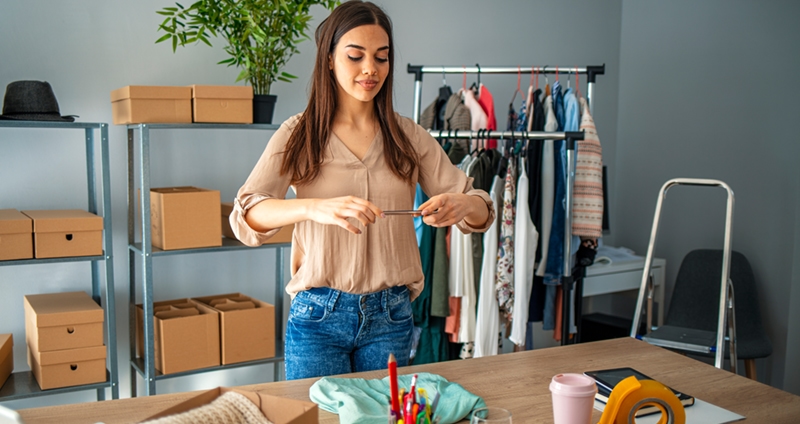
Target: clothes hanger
(444, 91)
(546, 82)
(519, 81)
(476, 87)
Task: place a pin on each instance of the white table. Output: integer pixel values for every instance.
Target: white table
(621, 276)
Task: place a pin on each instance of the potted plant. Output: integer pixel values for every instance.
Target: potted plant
(262, 36)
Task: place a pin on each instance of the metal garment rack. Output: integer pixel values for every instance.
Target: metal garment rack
(567, 279)
(145, 251)
(21, 385)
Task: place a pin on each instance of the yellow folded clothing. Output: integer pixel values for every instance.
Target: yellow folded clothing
(230, 408)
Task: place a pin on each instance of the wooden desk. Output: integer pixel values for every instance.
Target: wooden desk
(516, 381)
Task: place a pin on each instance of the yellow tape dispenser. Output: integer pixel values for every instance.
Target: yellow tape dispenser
(631, 394)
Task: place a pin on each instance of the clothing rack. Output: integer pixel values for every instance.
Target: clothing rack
(567, 279)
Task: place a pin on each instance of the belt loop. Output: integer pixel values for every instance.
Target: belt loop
(332, 297)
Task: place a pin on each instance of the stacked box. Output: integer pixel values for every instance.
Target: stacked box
(284, 235)
(66, 233)
(246, 327)
(186, 335)
(138, 104)
(64, 333)
(6, 357)
(185, 218)
(16, 235)
(222, 104)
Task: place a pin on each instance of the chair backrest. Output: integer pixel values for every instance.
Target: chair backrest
(695, 299)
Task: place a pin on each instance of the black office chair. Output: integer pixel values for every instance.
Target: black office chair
(694, 308)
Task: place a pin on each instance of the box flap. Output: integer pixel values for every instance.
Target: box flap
(227, 208)
(70, 356)
(55, 309)
(151, 92)
(6, 345)
(69, 220)
(222, 92)
(178, 190)
(13, 221)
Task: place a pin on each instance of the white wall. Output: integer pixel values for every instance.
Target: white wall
(86, 49)
(706, 90)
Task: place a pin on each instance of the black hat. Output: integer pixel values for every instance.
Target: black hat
(31, 101)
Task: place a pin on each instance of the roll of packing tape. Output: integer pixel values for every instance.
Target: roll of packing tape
(631, 394)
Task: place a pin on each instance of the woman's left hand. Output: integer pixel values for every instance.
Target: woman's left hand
(452, 208)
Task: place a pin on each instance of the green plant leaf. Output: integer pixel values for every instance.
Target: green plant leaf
(164, 38)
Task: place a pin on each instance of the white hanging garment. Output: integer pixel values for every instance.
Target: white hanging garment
(548, 183)
(526, 240)
(487, 326)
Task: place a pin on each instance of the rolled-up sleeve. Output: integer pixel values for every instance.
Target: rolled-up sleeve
(438, 175)
(265, 182)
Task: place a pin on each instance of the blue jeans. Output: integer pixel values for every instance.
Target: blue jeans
(331, 332)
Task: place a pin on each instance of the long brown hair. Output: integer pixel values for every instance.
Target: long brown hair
(306, 145)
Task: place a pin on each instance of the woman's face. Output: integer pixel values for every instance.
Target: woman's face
(360, 63)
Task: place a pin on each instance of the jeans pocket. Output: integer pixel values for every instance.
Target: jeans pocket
(398, 306)
(307, 310)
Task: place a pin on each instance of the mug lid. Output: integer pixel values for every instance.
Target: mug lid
(570, 384)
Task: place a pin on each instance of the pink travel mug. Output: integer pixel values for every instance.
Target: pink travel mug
(573, 398)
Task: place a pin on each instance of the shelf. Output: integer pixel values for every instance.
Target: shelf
(205, 126)
(138, 365)
(227, 246)
(52, 260)
(21, 385)
(48, 124)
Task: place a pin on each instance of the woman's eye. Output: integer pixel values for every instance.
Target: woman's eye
(382, 59)
(354, 59)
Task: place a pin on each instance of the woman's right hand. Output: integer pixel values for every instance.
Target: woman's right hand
(335, 211)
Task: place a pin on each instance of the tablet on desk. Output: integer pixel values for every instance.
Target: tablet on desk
(606, 380)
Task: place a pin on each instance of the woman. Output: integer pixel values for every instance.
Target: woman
(349, 158)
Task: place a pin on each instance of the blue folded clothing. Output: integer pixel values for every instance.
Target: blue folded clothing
(360, 401)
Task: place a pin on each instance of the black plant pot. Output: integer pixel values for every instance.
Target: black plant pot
(263, 107)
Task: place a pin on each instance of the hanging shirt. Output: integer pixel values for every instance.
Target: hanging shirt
(548, 184)
(486, 101)
(504, 287)
(587, 209)
(487, 327)
(526, 240)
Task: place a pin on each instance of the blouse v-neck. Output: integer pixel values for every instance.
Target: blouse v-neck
(367, 153)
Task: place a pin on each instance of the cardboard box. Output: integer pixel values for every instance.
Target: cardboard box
(137, 104)
(6, 357)
(278, 410)
(185, 218)
(16, 235)
(284, 235)
(69, 367)
(246, 325)
(66, 233)
(229, 104)
(57, 321)
(186, 335)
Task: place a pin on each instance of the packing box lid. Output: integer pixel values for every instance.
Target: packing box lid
(55, 221)
(180, 190)
(222, 92)
(6, 344)
(70, 356)
(151, 92)
(53, 309)
(13, 221)
(279, 410)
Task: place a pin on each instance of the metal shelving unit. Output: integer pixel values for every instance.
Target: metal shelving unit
(144, 251)
(23, 385)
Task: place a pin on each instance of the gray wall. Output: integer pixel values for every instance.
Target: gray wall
(88, 49)
(706, 91)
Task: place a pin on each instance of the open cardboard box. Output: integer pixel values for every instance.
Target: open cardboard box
(277, 409)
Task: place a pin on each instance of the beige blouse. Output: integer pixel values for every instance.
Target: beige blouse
(386, 253)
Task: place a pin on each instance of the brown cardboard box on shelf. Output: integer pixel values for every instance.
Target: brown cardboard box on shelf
(284, 235)
(66, 233)
(6, 357)
(57, 321)
(137, 104)
(278, 410)
(68, 367)
(247, 327)
(16, 235)
(186, 335)
(227, 104)
(185, 218)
